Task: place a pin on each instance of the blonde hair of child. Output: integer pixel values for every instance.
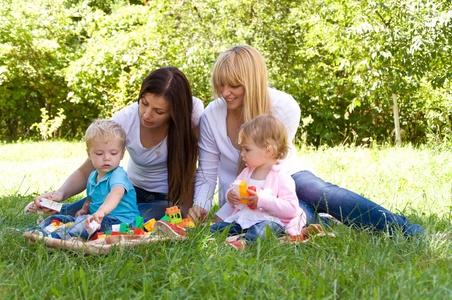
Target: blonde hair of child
(266, 131)
(244, 65)
(104, 130)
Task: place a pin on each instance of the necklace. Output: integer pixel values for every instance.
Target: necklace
(157, 146)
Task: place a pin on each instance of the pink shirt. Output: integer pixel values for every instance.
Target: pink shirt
(279, 199)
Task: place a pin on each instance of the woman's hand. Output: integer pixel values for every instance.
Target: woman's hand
(198, 213)
(54, 196)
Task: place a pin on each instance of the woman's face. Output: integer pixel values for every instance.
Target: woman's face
(154, 111)
(233, 95)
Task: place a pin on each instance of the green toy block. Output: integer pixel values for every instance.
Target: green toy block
(139, 222)
(124, 228)
(165, 218)
(108, 232)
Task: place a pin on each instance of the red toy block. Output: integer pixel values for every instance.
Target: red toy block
(139, 231)
(253, 188)
(96, 236)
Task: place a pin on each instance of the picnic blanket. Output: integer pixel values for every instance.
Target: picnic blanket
(103, 246)
(99, 246)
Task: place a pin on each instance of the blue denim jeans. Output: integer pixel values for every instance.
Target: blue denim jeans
(256, 231)
(77, 229)
(317, 196)
(150, 205)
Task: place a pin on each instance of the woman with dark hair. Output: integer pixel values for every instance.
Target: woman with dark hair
(161, 139)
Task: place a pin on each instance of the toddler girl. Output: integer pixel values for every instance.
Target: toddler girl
(274, 204)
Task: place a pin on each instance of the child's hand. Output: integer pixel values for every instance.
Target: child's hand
(233, 198)
(253, 198)
(82, 212)
(97, 216)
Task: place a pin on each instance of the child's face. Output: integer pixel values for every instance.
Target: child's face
(106, 156)
(253, 155)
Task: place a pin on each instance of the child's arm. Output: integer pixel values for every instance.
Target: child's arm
(85, 208)
(285, 204)
(111, 201)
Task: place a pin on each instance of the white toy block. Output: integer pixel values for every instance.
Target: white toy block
(51, 204)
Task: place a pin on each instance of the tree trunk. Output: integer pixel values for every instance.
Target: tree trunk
(396, 120)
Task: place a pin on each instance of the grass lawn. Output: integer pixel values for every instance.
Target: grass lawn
(358, 264)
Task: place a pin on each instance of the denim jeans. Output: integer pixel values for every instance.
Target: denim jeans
(77, 229)
(150, 205)
(258, 230)
(317, 196)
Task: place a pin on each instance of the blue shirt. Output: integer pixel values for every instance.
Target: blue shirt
(127, 209)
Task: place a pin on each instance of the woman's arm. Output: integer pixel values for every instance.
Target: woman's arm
(207, 172)
(74, 184)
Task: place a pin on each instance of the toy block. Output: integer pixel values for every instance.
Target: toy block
(139, 231)
(165, 218)
(97, 235)
(187, 222)
(139, 222)
(53, 205)
(108, 232)
(101, 236)
(149, 225)
(92, 227)
(115, 227)
(174, 215)
(239, 186)
(124, 228)
(253, 188)
(297, 238)
(56, 222)
(69, 224)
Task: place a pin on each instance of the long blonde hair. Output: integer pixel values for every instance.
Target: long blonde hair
(244, 65)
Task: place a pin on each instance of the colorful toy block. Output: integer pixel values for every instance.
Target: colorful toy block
(98, 235)
(239, 186)
(174, 215)
(187, 222)
(92, 227)
(139, 231)
(139, 222)
(253, 188)
(149, 225)
(124, 228)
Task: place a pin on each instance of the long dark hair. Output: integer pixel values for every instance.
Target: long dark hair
(171, 84)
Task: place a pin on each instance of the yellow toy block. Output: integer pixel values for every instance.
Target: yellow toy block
(149, 225)
(239, 186)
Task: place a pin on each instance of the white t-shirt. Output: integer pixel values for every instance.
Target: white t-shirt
(218, 158)
(147, 169)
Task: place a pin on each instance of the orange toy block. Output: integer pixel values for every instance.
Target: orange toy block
(187, 222)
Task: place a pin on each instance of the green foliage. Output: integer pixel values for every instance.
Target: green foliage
(341, 60)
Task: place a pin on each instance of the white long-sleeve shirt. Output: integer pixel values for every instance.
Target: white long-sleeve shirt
(218, 158)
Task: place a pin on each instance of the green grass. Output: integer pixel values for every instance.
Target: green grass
(358, 264)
